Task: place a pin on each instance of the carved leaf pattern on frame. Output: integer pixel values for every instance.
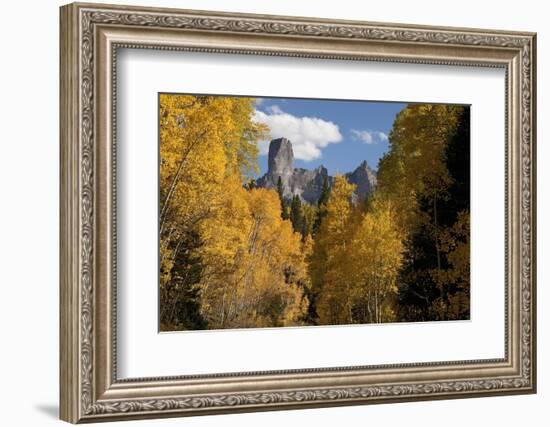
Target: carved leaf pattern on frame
(89, 18)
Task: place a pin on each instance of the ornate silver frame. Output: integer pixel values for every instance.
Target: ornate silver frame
(90, 36)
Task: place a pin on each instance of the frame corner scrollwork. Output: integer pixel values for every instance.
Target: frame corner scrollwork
(87, 380)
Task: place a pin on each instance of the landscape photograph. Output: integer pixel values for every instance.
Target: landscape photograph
(290, 212)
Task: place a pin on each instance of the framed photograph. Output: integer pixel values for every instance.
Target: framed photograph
(266, 212)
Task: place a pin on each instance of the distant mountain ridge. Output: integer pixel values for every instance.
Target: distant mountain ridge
(305, 183)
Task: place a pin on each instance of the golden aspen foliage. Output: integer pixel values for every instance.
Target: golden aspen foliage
(334, 288)
(415, 165)
(309, 216)
(231, 258)
(224, 252)
(455, 245)
(193, 131)
(254, 264)
(374, 262)
(357, 259)
(202, 139)
(429, 152)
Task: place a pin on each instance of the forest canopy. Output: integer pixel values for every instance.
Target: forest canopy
(235, 255)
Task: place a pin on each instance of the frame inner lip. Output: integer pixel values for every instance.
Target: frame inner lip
(341, 370)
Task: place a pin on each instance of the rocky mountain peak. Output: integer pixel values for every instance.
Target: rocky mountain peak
(305, 183)
(280, 157)
(364, 179)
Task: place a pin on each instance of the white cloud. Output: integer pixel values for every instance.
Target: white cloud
(382, 136)
(307, 134)
(369, 136)
(363, 136)
(274, 109)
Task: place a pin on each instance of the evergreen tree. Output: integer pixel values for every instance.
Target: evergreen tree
(321, 203)
(309, 216)
(434, 278)
(296, 214)
(325, 193)
(251, 184)
(457, 160)
(454, 213)
(180, 299)
(280, 192)
(280, 188)
(304, 229)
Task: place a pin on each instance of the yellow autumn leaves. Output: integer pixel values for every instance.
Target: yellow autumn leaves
(230, 258)
(426, 175)
(253, 263)
(356, 260)
(227, 259)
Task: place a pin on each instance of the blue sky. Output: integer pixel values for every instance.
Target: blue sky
(336, 134)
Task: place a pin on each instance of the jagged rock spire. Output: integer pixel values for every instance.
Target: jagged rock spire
(308, 184)
(280, 158)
